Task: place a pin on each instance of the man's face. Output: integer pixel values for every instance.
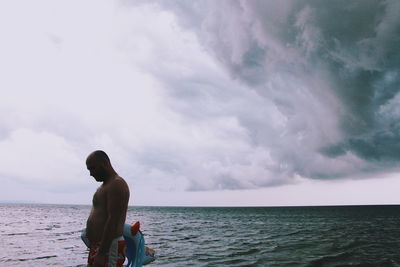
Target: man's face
(96, 169)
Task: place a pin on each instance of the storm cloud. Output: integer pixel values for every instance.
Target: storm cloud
(330, 70)
(204, 95)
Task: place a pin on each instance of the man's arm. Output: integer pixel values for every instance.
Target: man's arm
(117, 201)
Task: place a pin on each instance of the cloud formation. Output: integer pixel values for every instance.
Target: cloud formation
(205, 95)
(330, 71)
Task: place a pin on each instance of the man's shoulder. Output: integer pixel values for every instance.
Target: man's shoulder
(118, 184)
(117, 194)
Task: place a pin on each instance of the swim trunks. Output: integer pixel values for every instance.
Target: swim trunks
(115, 256)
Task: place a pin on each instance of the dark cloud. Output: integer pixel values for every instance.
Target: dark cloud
(330, 69)
(360, 52)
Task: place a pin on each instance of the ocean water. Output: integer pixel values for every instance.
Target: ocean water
(49, 235)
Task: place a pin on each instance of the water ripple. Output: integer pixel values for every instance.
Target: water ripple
(48, 235)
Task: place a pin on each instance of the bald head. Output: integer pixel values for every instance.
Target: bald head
(99, 155)
(99, 165)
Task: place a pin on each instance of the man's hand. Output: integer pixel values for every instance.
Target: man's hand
(99, 260)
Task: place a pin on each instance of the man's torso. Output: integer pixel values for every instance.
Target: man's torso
(99, 213)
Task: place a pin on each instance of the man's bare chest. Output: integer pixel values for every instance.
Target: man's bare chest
(100, 197)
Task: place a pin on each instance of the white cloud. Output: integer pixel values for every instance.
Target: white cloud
(40, 158)
(163, 112)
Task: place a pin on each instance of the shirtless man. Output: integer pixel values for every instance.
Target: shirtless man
(104, 227)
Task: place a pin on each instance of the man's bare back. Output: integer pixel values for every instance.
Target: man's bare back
(110, 203)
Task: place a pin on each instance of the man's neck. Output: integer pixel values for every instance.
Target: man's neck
(109, 177)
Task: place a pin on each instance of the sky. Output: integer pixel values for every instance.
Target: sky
(202, 103)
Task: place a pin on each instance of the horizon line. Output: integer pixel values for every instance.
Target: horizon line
(202, 206)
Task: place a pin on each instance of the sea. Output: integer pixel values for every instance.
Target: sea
(49, 235)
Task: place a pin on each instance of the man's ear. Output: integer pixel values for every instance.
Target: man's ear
(104, 163)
